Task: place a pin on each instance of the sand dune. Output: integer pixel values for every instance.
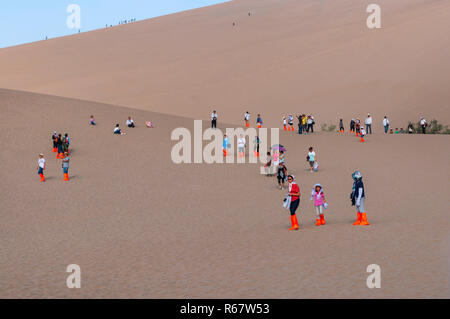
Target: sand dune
(140, 226)
(288, 56)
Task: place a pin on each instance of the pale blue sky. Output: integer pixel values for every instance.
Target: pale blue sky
(23, 21)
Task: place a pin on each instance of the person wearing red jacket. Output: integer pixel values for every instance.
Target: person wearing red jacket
(294, 193)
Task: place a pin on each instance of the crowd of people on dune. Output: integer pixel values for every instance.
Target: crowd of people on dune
(275, 160)
(276, 165)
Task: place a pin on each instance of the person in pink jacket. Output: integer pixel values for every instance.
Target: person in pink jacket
(319, 204)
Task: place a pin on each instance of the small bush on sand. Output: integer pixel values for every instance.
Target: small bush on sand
(433, 128)
(328, 127)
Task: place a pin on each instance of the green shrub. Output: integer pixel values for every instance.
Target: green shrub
(434, 127)
(328, 127)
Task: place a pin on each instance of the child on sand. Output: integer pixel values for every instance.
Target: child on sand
(320, 204)
(358, 197)
(311, 158)
(41, 167)
(259, 121)
(92, 120)
(281, 175)
(362, 133)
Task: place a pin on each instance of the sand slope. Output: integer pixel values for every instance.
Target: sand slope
(289, 56)
(140, 226)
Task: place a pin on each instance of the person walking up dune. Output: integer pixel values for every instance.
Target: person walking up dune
(241, 146)
(214, 119)
(423, 124)
(386, 124)
(320, 204)
(41, 167)
(281, 175)
(358, 198)
(54, 139)
(311, 158)
(294, 194)
(362, 134)
(368, 123)
(341, 126)
(59, 146)
(247, 119)
(290, 123)
(259, 121)
(65, 166)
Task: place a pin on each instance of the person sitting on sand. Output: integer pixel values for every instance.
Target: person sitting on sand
(130, 122)
(117, 130)
(396, 131)
(149, 124)
(92, 120)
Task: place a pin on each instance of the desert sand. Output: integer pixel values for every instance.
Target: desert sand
(141, 226)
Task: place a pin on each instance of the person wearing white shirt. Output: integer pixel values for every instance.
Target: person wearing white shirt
(214, 119)
(41, 167)
(386, 124)
(241, 146)
(130, 122)
(424, 124)
(247, 119)
(368, 123)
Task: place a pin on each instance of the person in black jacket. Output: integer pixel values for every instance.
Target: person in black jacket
(358, 198)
